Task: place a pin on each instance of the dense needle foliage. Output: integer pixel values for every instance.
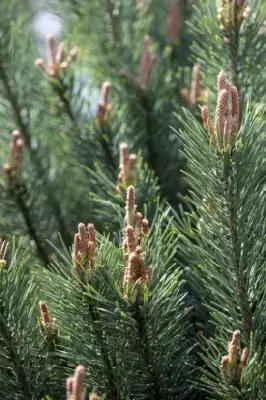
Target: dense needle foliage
(132, 201)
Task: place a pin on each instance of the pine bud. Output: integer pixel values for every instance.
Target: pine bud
(130, 206)
(235, 102)
(244, 357)
(57, 62)
(60, 56)
(132, 162)
(93, 396)
(140, 3)
(138, 226)
(106, 87)
(147, 63)
(131, 239)
(222, 112)
(233, 350)
(48, 325)
(123, 155)
(39, 63)
(231, 15)
(235, 337)
(225, 371)
(196, 93)
(75, 384)
(83, 236)
(91, 232)
(80, 249)
(51, 50)
(135, 266)
(174, 20)
(195, 85)
(84, 249)
(130, 175)
(104, 108)
(13, 167)
(145, 227)
(206, 117)
(92, 244)
(222, 82)
(44, 312)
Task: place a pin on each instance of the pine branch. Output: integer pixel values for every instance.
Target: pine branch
(15, 358)
(62, 96)
(15, 106)
(230, 195)
(150, 138)
(67, 237)
(112, 23)
(43, 254)
(111, 162)
(112, 389)
(142, 328)
(233, 59)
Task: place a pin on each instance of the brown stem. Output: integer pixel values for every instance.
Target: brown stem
(62, 96)
(15, 106)
(32, 232)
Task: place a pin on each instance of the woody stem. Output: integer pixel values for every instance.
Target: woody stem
(230, 189)
(141, 320)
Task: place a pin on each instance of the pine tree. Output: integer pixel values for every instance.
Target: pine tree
(114, 269)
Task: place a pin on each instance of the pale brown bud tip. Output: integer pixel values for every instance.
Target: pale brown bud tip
(16, 134)
(123, 150)
(205, 115)
(82, 230)
(91, 231)
(139, 217)
(93, 396)
(221, 81)
(224, 362)
(132, 161)
(106, 86)
(78, 382)
(235, 337)
(145, 227)
(39, 63)
(50, 37)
